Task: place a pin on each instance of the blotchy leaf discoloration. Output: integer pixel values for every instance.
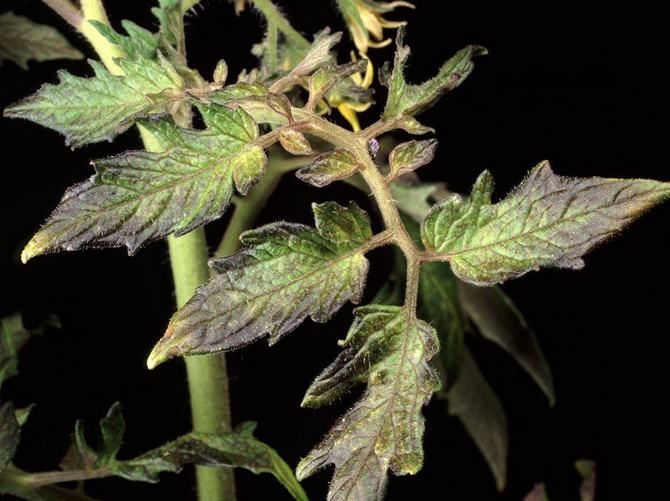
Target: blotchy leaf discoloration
(388, 347)
(140, 196)
(285, 273)
(548, 220)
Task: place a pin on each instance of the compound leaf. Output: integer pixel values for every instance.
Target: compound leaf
(390, 348)
(89, 110)
(408, 99)
(22, 40)
(140, 196)
(285, 273)
(548, 220)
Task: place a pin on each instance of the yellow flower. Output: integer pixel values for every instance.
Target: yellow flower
(365, 21)
(347, 107)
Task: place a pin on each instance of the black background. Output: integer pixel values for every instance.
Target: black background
(582, 88)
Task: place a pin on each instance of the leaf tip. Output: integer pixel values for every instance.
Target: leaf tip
(161, 352)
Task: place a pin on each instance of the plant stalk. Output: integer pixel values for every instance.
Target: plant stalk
(207, 375)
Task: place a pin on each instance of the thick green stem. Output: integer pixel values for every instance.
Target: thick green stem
(207, 376)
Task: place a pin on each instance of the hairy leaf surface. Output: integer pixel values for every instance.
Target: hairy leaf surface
(411, 155)
(139, 196)
(409, 99)
(328, 167)
(22, 40)
(548, 220)
(390, 349)
(285, 273)
(89, 110)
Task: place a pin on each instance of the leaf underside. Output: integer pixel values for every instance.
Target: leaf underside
(285, 273)
(548, 220)
(390, 349)
(138, 196)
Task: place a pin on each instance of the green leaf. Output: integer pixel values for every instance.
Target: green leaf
(13, 337)
(236, 449)
(408, 99)
(10, 434)
(318, 55)
(138, 44)
(285, 273)
(412, 197)
(473, 401)
(499, 321)
(390, 348)
(325, 79)
(548, 220)
(409, 156)
(328, 167)
(239, 449)
(439, 301)
(22, 40)
(89, 110)
(137, 197)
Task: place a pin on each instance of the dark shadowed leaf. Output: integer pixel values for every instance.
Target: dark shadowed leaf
(539, 493)
(587, 470)
(13, 337)
(548, 220)
(473, 401)
(390, 349)
(10, 434)
(499, 321)
(285, 273)
(22, 40)
(438, 300)
(138, 196)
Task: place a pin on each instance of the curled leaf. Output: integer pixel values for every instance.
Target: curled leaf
(388, 347)
(328, 167)
(409, 156)
(408, 99)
